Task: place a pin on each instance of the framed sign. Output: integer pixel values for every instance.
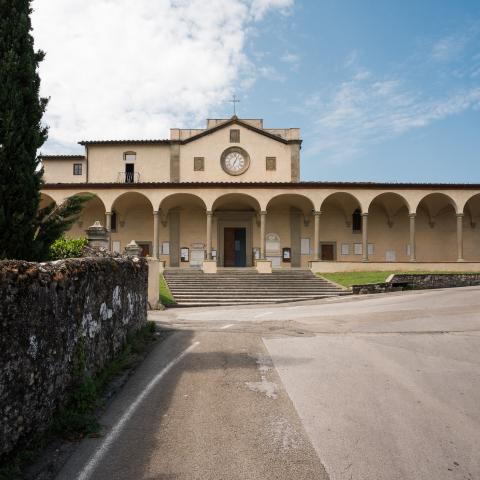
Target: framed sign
(345, 249)
(166, 248)
(305, 246)
(184, 254)
(287, 254)
(256, 253)
(214, 254)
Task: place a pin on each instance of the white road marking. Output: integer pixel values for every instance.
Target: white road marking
(262, 314)
(226, 326)
(116, 430)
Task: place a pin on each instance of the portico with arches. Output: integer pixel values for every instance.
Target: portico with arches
(231, 195)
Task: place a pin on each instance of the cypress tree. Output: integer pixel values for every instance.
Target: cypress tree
(21, 130)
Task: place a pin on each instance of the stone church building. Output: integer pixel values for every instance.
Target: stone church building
(230, 195)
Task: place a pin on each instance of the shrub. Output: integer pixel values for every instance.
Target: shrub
(67, 248)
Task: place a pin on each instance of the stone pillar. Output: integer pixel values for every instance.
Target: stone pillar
(263, 221)
(365, 237)
(316, 236)
(209, 234)
(413, 257)
(132, 249)
(97, 236)
(108, 226)
(108, 221)
(460, 237)
(155, 234)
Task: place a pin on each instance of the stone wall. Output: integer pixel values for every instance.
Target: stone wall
(403, 281)
(51, 314)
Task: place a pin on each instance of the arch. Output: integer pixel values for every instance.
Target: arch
(301, 202)
(135, 197)
(93, 210)
(392, 202)
(471, 209)
(435, 202)
(45, 201)
(346, 202)
(236, 201)
(180, 199)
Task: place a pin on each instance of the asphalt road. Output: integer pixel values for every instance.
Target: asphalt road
(373, 387)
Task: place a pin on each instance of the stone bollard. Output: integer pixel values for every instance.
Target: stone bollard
(132, 249)
(97, 236)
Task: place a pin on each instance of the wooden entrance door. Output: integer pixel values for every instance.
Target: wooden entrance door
(328, 252)
(234, 247)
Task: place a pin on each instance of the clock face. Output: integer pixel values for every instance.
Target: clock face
(235, 160)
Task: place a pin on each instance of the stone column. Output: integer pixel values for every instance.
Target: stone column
(209, 234)
(108, 227)
(316, 236)
(365, 237)
(108, 221)
(413, 257)
(263, 221)
(460, 237)
(155, 233)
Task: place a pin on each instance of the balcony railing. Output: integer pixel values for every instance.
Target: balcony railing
(128, 177)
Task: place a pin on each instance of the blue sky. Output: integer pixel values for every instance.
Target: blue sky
(382, 90)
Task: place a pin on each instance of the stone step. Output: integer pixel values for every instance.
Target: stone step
(243, 287)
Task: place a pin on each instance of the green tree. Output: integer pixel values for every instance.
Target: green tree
(21, 130)
(25, 232)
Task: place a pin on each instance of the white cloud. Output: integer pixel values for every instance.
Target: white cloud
(366, 110)
(122, 69)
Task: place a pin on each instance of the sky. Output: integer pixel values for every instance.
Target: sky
(381, 90)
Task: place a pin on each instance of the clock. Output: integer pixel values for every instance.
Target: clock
(235, 160)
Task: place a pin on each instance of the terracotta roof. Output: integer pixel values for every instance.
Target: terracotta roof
(62, 157)
(125, 142)
(293, 185)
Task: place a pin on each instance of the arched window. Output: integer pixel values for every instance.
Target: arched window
(357, 221)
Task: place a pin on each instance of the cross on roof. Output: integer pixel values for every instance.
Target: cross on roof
(234, 101)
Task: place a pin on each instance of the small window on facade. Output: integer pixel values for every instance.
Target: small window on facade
(77, 168)
(113, 222)
(271, 163)
(129, 156)
(199, 164)
(357, 221)
(234, 136)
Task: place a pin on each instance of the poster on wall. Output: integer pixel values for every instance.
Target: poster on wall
(184, 254)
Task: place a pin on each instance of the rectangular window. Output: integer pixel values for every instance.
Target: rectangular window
(271, 163)
(130, 156)
(77, 168)
(166, 248)
(357, 249)
(371, 248)
(345, 249)
(234, 136)
(199, 164)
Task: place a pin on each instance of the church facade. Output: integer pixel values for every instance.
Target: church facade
(230, 195)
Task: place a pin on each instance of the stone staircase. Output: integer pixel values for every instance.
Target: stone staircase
(246, 286)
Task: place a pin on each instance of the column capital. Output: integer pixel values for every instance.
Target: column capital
(364, 214)
(459, 215)
(108, 213)
(263, 212)
(209, 212)
(156, 212)
(412, 215)
(317, 213)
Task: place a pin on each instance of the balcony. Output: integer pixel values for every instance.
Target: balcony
(128, 177)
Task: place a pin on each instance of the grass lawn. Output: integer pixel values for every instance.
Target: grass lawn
(166, 296)
(347, 279)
